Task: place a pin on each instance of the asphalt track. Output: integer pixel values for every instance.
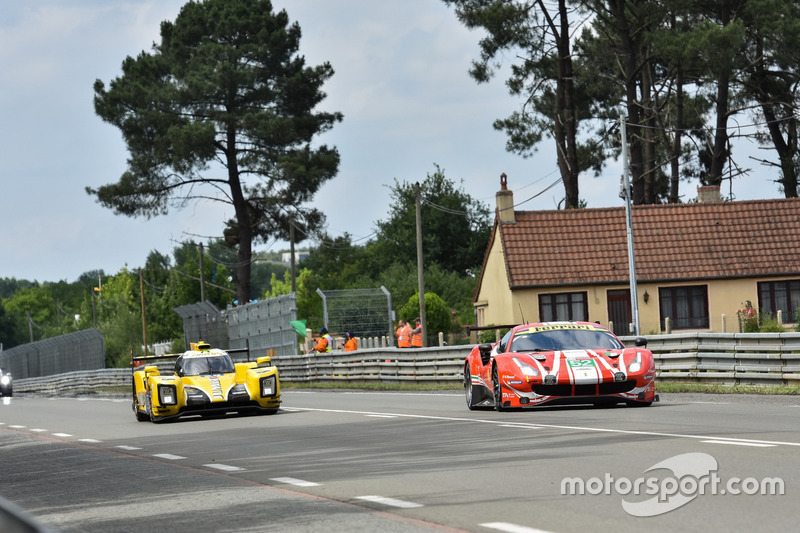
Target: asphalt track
(372, 461)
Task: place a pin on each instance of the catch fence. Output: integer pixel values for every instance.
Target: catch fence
(80, 350)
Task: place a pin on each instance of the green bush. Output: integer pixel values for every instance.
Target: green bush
(437, 315)
(489, 335)
(769, 324)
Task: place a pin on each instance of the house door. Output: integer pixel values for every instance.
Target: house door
(619, 310)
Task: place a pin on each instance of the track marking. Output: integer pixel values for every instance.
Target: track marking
(391, 502)
(757, 444)
(382, 416)
(61, 435)
(294, 481)
(17, 426)
(90, 440)
(168, 456)
(518, 426)
(511, 528)
(226, 468)
(553, 426)
(123, 447)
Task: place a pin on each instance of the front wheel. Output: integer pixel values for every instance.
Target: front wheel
(140, 416)
(497, 388)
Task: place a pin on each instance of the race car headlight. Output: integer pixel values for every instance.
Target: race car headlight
(636, 364)
(527, 369)
(167, 395)
(268, 386)
(5, 380)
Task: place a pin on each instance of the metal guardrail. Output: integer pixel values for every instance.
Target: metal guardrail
(703, 358)
(771, 359)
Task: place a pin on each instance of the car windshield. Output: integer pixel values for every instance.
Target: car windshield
(548, 340)
(198, 366)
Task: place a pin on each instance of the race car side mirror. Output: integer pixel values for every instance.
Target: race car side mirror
(486, 353)
(641, 342)
(264, 361)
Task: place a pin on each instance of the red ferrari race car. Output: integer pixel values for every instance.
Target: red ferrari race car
(558, 363)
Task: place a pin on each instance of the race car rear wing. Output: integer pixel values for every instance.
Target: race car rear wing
(470, 329)
(144, 358)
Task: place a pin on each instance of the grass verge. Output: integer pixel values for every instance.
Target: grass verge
(458, 387)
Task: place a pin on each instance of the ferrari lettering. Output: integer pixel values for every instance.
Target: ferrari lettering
(557, 327)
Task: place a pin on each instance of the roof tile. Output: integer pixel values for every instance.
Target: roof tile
(671, 242)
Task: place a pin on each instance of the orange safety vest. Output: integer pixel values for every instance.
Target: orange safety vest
(404, 336)
(351, 345)
(416, 338)
(325, 344)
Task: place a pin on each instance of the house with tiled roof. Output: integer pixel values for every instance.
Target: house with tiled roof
(696, 264)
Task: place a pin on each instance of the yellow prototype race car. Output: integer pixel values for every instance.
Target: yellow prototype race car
(205, 381)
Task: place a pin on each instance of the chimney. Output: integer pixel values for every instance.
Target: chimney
(708, 193)
(505, 202)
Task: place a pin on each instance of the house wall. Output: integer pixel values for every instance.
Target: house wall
(725, 299)
(494, 303)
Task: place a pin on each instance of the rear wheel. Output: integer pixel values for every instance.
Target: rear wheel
(497, 388)
(473, 397)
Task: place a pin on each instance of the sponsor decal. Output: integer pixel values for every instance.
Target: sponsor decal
(216, 388)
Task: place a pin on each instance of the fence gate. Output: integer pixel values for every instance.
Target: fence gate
(203, 322)
(366, 312)
(264, 325)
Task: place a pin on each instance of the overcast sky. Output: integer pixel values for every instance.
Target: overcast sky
(401, 82)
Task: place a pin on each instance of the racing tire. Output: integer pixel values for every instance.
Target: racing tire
(469, 392)
(497, 389)
(140, 417)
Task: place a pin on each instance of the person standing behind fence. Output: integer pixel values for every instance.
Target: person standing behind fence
(748, 318)
(416, 335)
(351, 344)
(325, 343)
(403, 334)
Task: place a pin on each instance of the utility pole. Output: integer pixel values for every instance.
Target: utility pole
(625, 193)
(144, 318)
(202, 274)
(420, 271)
(291, 252)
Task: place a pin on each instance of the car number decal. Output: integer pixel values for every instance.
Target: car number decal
(580, 363)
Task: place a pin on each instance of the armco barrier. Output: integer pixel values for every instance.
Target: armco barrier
(707, 358)
(727, 358)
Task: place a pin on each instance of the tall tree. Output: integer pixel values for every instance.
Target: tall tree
(540, 34)
(455, 232)
(222, 110)
(773, 82)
